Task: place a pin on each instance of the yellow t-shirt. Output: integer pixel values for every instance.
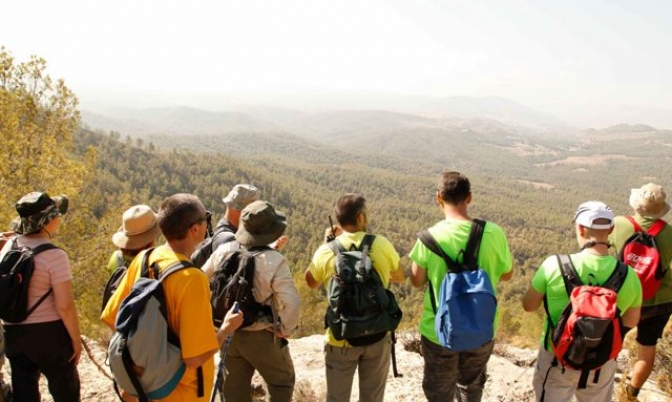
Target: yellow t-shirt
(384, 257)
(189, 316)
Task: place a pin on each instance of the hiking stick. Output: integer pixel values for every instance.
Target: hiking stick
(221, 367)
(95, 363)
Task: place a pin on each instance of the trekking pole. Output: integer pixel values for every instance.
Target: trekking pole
(221, 367)
(394, 356)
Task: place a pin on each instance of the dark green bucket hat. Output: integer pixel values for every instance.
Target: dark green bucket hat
(37, 209)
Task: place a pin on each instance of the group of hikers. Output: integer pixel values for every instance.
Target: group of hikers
(591, 298)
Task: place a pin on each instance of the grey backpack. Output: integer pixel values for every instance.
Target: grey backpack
(144, 343)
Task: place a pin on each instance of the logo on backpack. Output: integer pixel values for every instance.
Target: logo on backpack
(16, 270)
(115, 279)
(641, 253)
(233, 281)
(361, 310)
(144, 353)
(588, 332)
(466, 307)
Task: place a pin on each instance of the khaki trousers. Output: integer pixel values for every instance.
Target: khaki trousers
(372, 362)
(561, 383)
(256, 350)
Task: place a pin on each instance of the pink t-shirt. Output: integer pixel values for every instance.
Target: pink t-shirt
(51, 268)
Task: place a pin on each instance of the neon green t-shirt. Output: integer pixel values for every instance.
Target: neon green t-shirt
(548, 281)
(623, 229)
(384, 257)
(494, 257)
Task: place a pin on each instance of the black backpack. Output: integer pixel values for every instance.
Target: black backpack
(233, 281)
(16, 270)
(115, 279)
(361, 310)
(210, 244)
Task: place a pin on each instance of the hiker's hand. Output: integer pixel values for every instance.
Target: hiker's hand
(328, 232)
(77, 351)
(277, 333)
(232, 321)
(127, 397)
(280, 243)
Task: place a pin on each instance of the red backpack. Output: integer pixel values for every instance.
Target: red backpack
(641, 253)
(588, 332)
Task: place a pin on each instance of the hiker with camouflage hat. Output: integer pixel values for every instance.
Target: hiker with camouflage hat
(48, 341)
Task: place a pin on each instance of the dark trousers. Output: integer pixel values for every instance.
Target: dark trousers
(44, 348)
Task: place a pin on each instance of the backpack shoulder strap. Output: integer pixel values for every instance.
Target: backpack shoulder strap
(44, 247)
(617, 277)
(336, 247)
(657, 227)
(367, 242)
(174, 267)
(470, 257)
(569, 274)
(428, 240)
(120, 259)
(634, 223)
(144, 265)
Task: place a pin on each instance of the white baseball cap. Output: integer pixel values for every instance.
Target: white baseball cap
(588, 212)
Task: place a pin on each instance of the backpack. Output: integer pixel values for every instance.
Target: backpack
(115, 279)
(144, 342)
(360, 309)
(16, 270)
(465, 310)
(210, 244)
(588, 332)
(641, 253)
(233, 281)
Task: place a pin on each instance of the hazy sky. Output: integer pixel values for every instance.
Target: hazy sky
(554, 55)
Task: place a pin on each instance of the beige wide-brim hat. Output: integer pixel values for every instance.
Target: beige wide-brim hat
(139, 228)
(649, 201)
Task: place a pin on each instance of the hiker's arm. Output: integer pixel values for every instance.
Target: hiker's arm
(507, 276)
(631, 317)
(65, 304)
(310, 279)
(397, 275)
(532, 300)
(418, 275)
(195, 362)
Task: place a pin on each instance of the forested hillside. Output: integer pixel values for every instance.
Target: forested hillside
(528, 181)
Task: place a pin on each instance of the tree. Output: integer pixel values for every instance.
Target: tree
(38, 119)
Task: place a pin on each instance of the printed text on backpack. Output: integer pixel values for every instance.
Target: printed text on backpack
(588, 332)
(466, 306)
(360, 310)
(16, 271)
(641, 253)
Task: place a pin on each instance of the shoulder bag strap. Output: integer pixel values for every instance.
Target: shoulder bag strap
(617, 277)
(657, 227)
(428, 240)
(37, 250)
(569, 274)
(470, 257)
(634, 223)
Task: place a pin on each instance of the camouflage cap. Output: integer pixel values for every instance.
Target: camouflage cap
(241, 196)
(37, 209)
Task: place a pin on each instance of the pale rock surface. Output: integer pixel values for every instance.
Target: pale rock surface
(510, 373)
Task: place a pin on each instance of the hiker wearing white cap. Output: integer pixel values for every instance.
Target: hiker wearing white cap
(48, 341)
(554, 378)
(649, 207)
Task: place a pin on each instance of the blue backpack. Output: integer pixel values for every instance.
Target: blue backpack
(465, 310)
